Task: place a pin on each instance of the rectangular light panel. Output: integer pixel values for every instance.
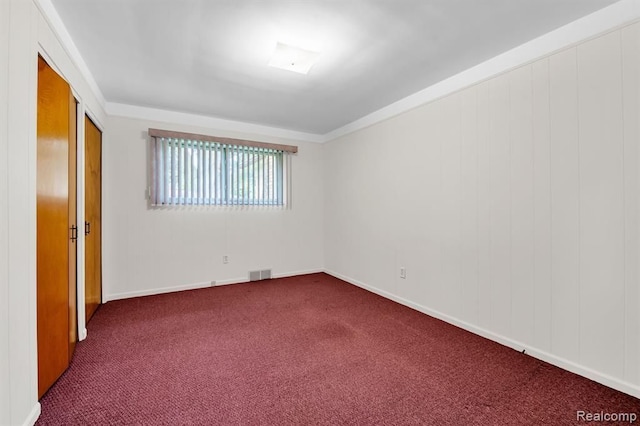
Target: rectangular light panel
(292, 58)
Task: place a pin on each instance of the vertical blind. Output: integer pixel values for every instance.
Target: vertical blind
(199, 172)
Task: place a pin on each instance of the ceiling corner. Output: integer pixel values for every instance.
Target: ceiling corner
(51, 16)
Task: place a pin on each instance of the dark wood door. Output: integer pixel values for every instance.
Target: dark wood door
(53, 234)
(93, 218)
(73, 225)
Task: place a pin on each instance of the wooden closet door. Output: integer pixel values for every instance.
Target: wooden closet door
(52, 182)
(93, 218)
(73, 224)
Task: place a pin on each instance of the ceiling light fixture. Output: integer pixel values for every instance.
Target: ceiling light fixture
(292, 58)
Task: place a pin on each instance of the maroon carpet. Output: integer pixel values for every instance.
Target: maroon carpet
(304, 350)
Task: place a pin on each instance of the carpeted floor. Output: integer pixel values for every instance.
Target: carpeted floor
(304, 350)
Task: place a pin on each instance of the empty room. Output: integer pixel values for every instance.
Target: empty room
(279, 212)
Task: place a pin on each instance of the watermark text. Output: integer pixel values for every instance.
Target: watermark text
(601, 416)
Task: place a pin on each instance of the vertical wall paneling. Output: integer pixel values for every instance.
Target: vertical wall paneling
(469, 206)
(522, 217)
(601, 204)
(450, 219)
(531, 196)
(430, 176)
(565, 208)
(500, 198)
(484, 208)
(630, 40)
(541, 205)
(21, 209)
(372, 219)
(5, 7)
(414, 156)
(438, 115)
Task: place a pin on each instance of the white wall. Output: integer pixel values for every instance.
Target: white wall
(513, 205)
(148, 251)
(18, 360)
(23, 33)
(5, 406)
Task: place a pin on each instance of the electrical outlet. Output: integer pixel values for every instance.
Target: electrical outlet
(403, 272)
(225, 259)
(213, 283)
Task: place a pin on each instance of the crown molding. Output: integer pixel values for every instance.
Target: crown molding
(52, 17)
(154, 114)
(610, 18)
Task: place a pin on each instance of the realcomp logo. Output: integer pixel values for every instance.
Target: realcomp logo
(586, 416)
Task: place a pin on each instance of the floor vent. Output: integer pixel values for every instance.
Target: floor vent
(264, 274)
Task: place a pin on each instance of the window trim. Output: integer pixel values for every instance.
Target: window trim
(284, 170)
(169, 134)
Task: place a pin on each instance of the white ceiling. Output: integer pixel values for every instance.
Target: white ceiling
(210, 57)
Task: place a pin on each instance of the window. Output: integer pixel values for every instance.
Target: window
(188, 169)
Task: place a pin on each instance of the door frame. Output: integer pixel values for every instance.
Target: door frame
(83, 111)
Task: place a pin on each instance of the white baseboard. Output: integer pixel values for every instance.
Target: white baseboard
(612, 382)
(232, 281)
(162, 290)
(280, 275)
(33, 415)
(154, 291)
(296, 273)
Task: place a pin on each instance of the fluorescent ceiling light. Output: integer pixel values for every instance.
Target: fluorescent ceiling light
(292, 58)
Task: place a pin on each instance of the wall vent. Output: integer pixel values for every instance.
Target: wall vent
(264, 274)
